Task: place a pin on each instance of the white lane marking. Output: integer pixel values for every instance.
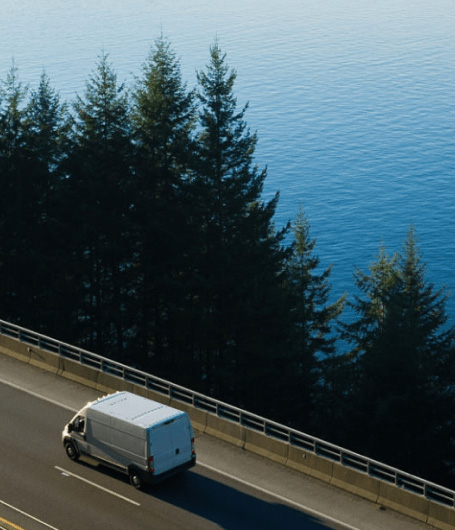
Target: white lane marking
(282, 499)
(27, 515)
(68, 473)
(39, 396)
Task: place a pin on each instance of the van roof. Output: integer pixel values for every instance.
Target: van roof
(135, 409)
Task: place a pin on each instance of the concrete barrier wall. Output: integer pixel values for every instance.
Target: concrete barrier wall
(225, 430)
(361, 484)
(355, 482)
(440, 517)
(258, 443)
(404, 501)
(310, 464)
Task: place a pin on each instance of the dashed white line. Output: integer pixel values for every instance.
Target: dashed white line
(37, 395)
(68, 473)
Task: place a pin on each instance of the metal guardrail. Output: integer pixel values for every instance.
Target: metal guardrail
(372, 468)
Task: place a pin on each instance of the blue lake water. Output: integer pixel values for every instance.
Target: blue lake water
(353, 102)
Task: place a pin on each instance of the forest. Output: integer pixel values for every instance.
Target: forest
(132, 224)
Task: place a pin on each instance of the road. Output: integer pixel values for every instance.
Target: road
(229, 488)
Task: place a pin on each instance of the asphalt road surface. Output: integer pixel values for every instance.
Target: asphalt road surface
(40, 488)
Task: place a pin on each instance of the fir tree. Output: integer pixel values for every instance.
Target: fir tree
(46, 125)
(238, 305)
(12, 155)
(377, 288)
(426, 390)
(17, 214)
(96, 194)
(164, 121)
(312, 338)
(405, 365)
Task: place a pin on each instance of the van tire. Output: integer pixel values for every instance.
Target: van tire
(136, 479)
(71, 451)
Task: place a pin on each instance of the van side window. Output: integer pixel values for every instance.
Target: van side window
(79, 424)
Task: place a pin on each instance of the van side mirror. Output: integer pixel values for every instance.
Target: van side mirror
(70, 427)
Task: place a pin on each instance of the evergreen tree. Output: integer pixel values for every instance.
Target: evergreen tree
(405, 364)
(312, 338)
(46, 124)
(378, 287)
(164, 121)
(29, 137)
(16, 210)
(427, 388)
(96, 195)
(366, 334)
(237, 303)
(32, 132)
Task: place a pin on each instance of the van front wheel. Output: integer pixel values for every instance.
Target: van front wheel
(136, 479)
(71, 451)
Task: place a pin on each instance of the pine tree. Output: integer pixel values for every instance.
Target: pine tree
(97, 197)
(237, 301)
(377, 287)
(312, 340)
(32, 131)
(427, 387)
(26, 181)
(46, 125)
(16, 211)
(405, 365)
(164, 121)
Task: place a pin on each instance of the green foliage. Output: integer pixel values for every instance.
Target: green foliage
(30, 133)
(46, 125)
(238, 255)
(163, 116)
(14, 181)
(163, 128)
(95, 191)
(404, 364)
(312, 340)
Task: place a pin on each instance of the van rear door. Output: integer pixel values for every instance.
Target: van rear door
(161, 449)
(170, 444)
(181, 435)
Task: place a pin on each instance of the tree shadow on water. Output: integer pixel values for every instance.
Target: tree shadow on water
(231, 508)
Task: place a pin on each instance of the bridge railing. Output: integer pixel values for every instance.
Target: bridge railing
(306, 442)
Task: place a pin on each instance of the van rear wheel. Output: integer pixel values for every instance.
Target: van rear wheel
(136, 479)
(71, 451)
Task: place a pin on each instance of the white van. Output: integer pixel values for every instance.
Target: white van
(145, 439)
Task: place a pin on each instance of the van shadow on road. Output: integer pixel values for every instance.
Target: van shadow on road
(229, 507)
(226, 506)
